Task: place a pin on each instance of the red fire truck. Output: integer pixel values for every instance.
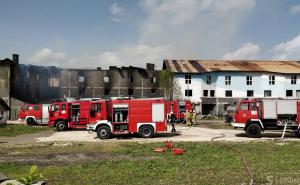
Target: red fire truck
(76, 114)
(178, 108)
(143, 116)
(256, 116)
(34, 113)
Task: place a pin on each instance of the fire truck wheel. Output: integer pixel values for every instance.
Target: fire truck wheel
(61, 126)
(30, 121)
(298, 133)
(254, 131)
(104, 132)
(146, 131)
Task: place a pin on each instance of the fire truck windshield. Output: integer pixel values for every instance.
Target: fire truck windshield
(54, 108)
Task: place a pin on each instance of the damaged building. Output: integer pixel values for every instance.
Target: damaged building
(40, 84)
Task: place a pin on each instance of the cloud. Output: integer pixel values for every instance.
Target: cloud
(46, 55)
(137, 55)
(196, 28)
(117, 12)
(247, 51)
(287, 50)
(295, 9)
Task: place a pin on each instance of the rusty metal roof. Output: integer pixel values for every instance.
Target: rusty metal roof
(204, 66)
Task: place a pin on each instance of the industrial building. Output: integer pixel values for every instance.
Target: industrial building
(213, 85)
(40, 84)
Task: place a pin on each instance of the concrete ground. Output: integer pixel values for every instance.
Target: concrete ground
(183, 134)
(204, 131)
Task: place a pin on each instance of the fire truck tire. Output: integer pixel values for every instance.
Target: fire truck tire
(61, 126)
(253, 130)
(298, 133)
(104, 132)
(30, 121)
(146, 131)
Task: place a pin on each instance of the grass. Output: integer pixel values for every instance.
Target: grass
(203, 163)
(14, 130)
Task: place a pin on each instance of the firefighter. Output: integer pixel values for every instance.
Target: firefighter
(193, 118)
(172, 120)
(188, 118)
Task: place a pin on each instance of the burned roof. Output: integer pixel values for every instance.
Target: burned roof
(7, 61)
(204, 66)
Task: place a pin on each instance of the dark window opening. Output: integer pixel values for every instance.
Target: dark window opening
(208, 79)
(188, 93)
(250, 93)
(153, 90)
(130, 91)
(106, 91)
(289, 93)
(227, 80)
(293, 79)
(228, 93)
(153, 80)
(205, 93)
(188, 79)
(267, 93)
(130, 79)
(212, 93)
(249, 80)
(271, 80)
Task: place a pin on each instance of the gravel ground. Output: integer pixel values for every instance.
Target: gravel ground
(183, 134)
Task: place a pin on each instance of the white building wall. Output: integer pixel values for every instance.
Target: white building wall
(239, 87)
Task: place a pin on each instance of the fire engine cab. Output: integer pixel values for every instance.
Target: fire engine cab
(76, 114)
(256, 116)
(143, 116)
(178, 108)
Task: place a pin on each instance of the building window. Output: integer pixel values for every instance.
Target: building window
(188, 92)
(289, 93)
(130, 79)
(208, 79)
(293, 79)
(130, 91)
(227, 80)
(81, 79)
(228, 93)
(106, 79)
(53, 82)
(188, 79)
(27, 74)
(298, 93)
(250, 93)
(205, 93)
(271, 80)
(153, 90)
(249, 80)
(267, 93)
(212, 93)
(153, 80)
(106, 91)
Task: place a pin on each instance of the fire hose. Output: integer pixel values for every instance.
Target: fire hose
(242, 157)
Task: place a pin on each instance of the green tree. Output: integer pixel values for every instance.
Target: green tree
(165, 82)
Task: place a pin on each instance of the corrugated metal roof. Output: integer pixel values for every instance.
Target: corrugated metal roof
(203, 66)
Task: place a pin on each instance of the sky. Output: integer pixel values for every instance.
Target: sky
(102, 33)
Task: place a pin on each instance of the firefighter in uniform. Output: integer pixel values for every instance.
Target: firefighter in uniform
(188, 118)
(172, 120)
(193, 118)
